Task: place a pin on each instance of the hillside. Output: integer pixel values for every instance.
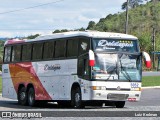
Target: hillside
(142, 20)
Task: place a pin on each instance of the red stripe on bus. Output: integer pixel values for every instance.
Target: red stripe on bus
(24, 73)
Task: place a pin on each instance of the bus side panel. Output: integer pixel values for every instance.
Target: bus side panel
(24, 73)
(55, 77)
(85, 88)
(8, 90)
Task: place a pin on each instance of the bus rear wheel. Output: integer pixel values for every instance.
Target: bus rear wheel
(76, 98)
(119, 104)
(31, 97)
(22, 96)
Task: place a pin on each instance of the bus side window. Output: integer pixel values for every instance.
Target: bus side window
(48, 50)
(37, 51)
(72, 47)
(26, 52)
(16, 53)
(60, 49)
(7, 54)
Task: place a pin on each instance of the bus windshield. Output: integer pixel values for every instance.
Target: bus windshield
(115, 45)
(117, 67)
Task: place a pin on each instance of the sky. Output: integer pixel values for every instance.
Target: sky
(51, 15)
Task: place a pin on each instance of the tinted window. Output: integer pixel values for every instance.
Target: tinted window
(60, 48)
(48, 50)
(83, 68)
(84, 45)
(80, 67)
(16, 53)
(37, 51)
(26, 52)
(7, 54)
(72, 48)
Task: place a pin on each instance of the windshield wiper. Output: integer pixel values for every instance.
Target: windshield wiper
(125, 73)
(112, 71)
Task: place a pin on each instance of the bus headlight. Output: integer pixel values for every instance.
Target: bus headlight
(136, 89)
(98, 88)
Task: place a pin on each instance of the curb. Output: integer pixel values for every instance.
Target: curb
(150, 87)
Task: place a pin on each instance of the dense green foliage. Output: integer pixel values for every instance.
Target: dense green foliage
(142, 20)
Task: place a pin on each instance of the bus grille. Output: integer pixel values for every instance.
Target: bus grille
(117, 96)
(122, 89)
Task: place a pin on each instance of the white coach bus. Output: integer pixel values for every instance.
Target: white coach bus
(74, 68)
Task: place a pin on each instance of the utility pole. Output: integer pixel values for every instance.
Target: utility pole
(126, 26)
(154, 45)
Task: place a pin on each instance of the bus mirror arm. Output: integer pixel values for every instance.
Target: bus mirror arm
(91, 58)
(147, 59)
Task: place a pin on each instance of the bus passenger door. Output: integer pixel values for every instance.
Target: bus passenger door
(84, 75)
(83, 68)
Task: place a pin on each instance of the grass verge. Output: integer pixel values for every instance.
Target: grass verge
(150, 81)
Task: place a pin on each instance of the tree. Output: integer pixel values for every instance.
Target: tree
(91, 24)
(132, 4)
(33, 36)
(56, 31)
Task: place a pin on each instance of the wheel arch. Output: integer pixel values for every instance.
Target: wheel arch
(29, 86)
(20, 86)
(74, 86)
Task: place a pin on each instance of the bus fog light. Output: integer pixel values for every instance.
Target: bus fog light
(103, 88)
(137, 95)
(98, 88)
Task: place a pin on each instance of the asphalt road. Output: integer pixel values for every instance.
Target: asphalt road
(150, 101)
(151, 73)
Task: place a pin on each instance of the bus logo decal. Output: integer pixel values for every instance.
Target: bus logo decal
(84, 45)
(52, 67)
(121, 44)
(118, 88)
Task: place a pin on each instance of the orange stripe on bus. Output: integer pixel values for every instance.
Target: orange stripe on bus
(24, 73)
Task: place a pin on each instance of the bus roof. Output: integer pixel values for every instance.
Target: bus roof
(93, 34)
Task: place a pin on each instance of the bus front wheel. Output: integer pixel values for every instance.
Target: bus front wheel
(76, 98)
(119, 104)
(31, 97)
(22, 96)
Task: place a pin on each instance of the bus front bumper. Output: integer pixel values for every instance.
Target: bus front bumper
(115, 95)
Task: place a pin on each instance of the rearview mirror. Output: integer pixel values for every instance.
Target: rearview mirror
(147, 59)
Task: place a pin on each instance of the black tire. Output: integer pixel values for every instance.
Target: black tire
(31, 97)
(76, 98)
(119, 104)
(22, 96)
